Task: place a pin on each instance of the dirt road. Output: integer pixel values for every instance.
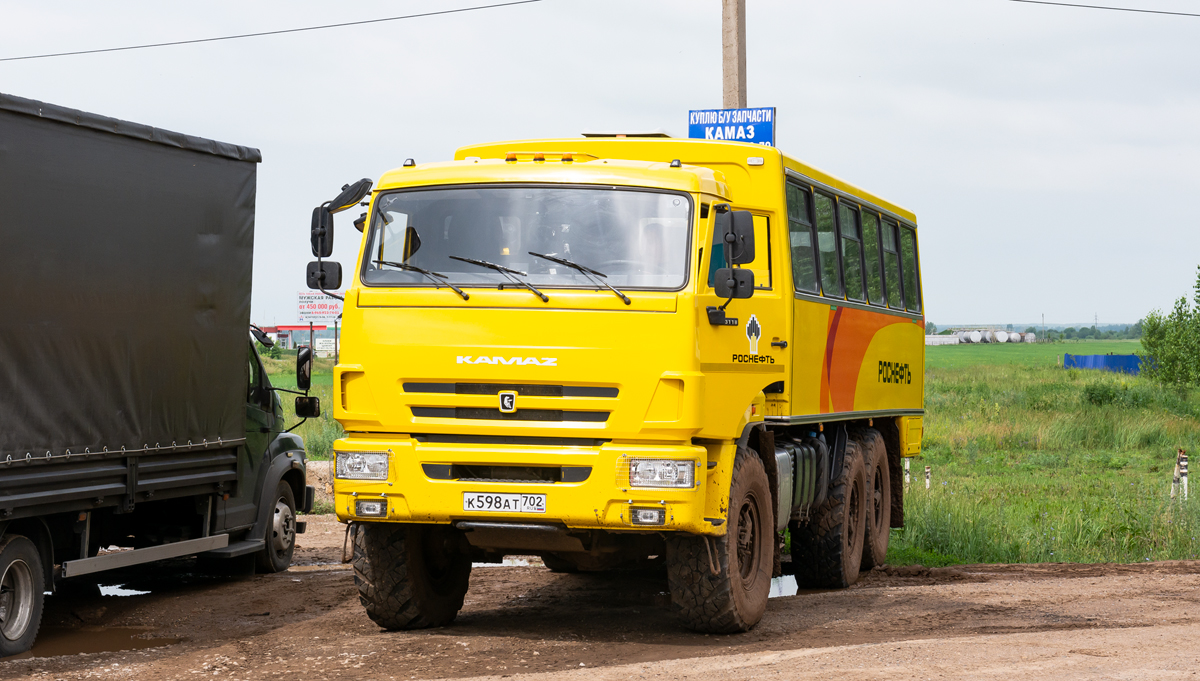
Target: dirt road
(1032, 621)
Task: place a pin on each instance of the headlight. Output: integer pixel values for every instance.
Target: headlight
(362, 465)
(661, 473)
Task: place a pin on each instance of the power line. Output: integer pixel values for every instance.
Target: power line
(255, 35)
(1115, 9)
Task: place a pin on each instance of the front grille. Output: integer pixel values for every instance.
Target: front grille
(519, 388)
(487, 473)
(480, 413)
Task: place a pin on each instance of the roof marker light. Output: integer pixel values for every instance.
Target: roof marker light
(676, 164)
(511, 157)
(539, 158)
(568, 158)
(408, 163)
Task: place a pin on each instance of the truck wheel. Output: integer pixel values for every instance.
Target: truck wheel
(281, 534)
(827, 549)
(22, 583)
(878, 499)
(733, 598)
(410, 576)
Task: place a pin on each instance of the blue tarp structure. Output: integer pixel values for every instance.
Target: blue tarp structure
(1125, 364)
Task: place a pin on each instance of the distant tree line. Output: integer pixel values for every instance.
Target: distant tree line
(1171, 342)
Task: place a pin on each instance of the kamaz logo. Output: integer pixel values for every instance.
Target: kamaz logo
(518, 361)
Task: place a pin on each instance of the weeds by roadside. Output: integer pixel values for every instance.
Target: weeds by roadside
(1038, 464)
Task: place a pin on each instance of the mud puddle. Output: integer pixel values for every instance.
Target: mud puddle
(53, 641)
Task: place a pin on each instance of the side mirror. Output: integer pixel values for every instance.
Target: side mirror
(304, 367)
(351, 194)
(322, 232)
(308, 407)
(737, 230)
(262, 338)
(734, 283)
(326, 275)
(412, 243)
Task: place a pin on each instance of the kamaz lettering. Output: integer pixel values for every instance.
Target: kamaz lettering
(517, 361)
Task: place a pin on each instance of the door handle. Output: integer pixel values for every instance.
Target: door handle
(779, 344)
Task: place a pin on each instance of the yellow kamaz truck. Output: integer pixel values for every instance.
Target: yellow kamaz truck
(620, 350)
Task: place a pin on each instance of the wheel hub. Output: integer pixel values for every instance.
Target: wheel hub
(747, 540)
(16, 600)
(283, 528)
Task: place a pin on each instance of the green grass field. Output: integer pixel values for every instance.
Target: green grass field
(318, 433)
(1027, 354)
(1034, 463)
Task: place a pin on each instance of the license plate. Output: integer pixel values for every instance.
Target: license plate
(504, 503)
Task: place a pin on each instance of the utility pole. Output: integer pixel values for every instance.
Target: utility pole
(733, 54)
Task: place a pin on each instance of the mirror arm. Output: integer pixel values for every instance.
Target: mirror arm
(296, 426)
(286, 390)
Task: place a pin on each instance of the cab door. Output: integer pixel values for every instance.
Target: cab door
(749, 352)
(241, 508)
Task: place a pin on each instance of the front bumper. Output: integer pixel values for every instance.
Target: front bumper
(416, 491)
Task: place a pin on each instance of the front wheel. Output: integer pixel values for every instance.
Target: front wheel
(411, 576)
(281, 533)
(22, 583)
(720, 584)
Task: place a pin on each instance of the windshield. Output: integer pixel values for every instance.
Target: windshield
(638, 238)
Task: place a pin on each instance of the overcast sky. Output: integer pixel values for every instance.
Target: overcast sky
(1050, 154)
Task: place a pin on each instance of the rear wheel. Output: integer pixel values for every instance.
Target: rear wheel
(878, 499)
(281, 534)
(732, 598)
(411, 576)
(827, 549)
(22, 583)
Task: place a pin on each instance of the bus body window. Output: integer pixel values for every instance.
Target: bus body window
(852, 268)
(908, 250)
(804, 258)
(870, 233)
(831, 283)
(891, 264)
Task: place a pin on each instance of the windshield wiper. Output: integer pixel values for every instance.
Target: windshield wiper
(507, 273)
(433, 276)
(588, 272)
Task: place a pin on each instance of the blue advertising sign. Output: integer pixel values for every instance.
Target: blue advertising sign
(739, 125)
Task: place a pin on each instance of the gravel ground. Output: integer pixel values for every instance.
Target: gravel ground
(1015, 621)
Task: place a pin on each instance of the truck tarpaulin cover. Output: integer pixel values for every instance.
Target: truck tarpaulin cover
(125, 283)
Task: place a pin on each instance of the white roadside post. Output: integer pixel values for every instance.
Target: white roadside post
(928, 476)
(907, 473)
(1183, 472)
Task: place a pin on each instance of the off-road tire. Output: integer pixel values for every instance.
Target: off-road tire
(276, 556)
(878, 498)
(735, 597)
(827, 549)
(20, 567)
(410, 576)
